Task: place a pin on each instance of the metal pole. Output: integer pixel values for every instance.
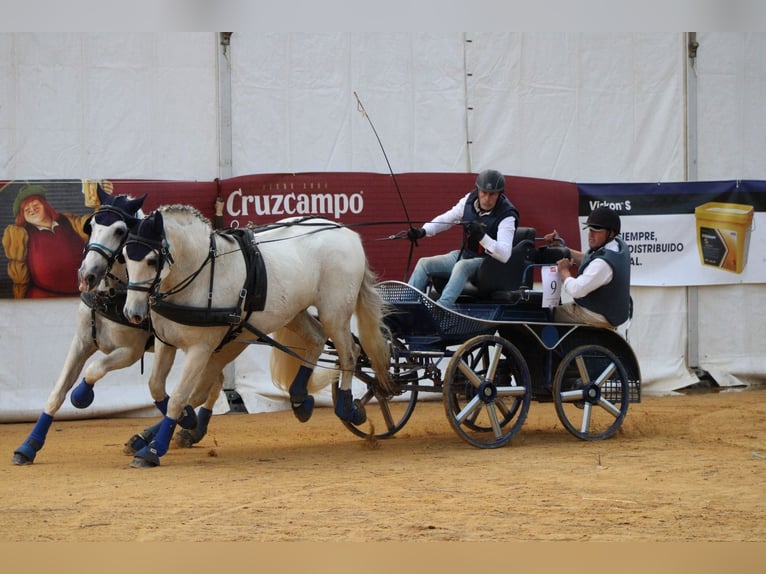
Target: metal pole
(690, 89)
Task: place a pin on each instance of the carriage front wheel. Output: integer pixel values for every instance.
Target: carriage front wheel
(487, 391)
(591, 392)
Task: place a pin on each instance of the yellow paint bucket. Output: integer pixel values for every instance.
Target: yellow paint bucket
(723, 234)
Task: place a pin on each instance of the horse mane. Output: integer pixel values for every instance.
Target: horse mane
(184, 209)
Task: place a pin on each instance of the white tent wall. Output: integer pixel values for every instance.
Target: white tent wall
(731, 142)
(577, 107)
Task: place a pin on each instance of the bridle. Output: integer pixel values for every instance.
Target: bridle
(159, 246)
(111, 255)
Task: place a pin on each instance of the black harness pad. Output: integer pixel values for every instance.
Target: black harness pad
(256, 281)
(253, 291)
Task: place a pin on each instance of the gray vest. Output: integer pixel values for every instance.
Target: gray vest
(613, 299)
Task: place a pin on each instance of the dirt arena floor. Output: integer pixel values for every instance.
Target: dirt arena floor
(688, 468)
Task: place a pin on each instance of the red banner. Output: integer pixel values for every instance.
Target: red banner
(375, 205)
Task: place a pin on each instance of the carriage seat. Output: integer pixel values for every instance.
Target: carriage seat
(493, 275)
(497, 281)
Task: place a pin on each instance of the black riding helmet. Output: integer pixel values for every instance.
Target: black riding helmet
(604, 218)
(491, 180)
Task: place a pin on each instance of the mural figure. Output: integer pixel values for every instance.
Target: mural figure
(44, 247)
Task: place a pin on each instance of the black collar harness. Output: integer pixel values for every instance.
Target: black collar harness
(252, 296)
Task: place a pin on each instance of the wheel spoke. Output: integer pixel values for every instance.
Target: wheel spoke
(609, 407)
(571, 396)
(496, 353)
(586, 414)
(473, 406)
(469, 374)
(606, 374)
(494, 421)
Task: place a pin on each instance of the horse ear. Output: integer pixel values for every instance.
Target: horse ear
(135, 204)
(159, 226)
(103, 197)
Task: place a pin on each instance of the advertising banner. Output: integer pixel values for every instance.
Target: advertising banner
(378, 206)
(689, 233)
(42, 227)
(43, 239)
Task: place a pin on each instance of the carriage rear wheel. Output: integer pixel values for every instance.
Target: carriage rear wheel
(386, 413)
(487, 391)
(591, 392)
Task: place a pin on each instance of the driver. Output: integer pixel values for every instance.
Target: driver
(489, 222)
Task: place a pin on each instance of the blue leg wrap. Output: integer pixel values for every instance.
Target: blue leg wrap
(203, 418)
(36, 438)
(140, 441)
(82, 395)
(161, 441)
(188, 418)
(348, 410)
(188, 438)
(162, 405)
(301, 401)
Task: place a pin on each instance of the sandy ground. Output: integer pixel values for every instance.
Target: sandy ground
(681, 468)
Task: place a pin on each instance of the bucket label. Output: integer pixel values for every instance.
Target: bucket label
(718, 247)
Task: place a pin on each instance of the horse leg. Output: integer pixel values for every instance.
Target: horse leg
(187, 438)
(346, 408)
(194, 366)
(118, 358)
(213, 372)
(81, 348)
(164, 356)
(370, 311)
(305, 335)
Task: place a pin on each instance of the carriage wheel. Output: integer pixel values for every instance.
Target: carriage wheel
(487, 391)
(590, 391)
(386, 413)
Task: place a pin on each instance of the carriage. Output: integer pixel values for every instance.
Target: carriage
(495, 354)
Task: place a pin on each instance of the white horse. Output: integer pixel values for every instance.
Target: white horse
(211, 293)
(104, 282)
(124, 344)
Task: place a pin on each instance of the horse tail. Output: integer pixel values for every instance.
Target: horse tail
(370, 312)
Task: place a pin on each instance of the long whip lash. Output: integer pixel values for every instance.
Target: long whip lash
(361, 110)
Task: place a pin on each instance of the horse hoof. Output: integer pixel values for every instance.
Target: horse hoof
(147, 461)
(20, 459)
(188, 418)
(185, 439)
(358, 414)
(82, 396)
(304, 410)
(349, 409)
(134, 444)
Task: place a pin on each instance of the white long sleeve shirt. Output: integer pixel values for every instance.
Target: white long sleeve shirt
(499, 248)
(597, 273)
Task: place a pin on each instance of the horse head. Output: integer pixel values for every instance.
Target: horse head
(145, 252)
(107, 231)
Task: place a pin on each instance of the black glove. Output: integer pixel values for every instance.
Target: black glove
(475, 230)
(415, 233)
